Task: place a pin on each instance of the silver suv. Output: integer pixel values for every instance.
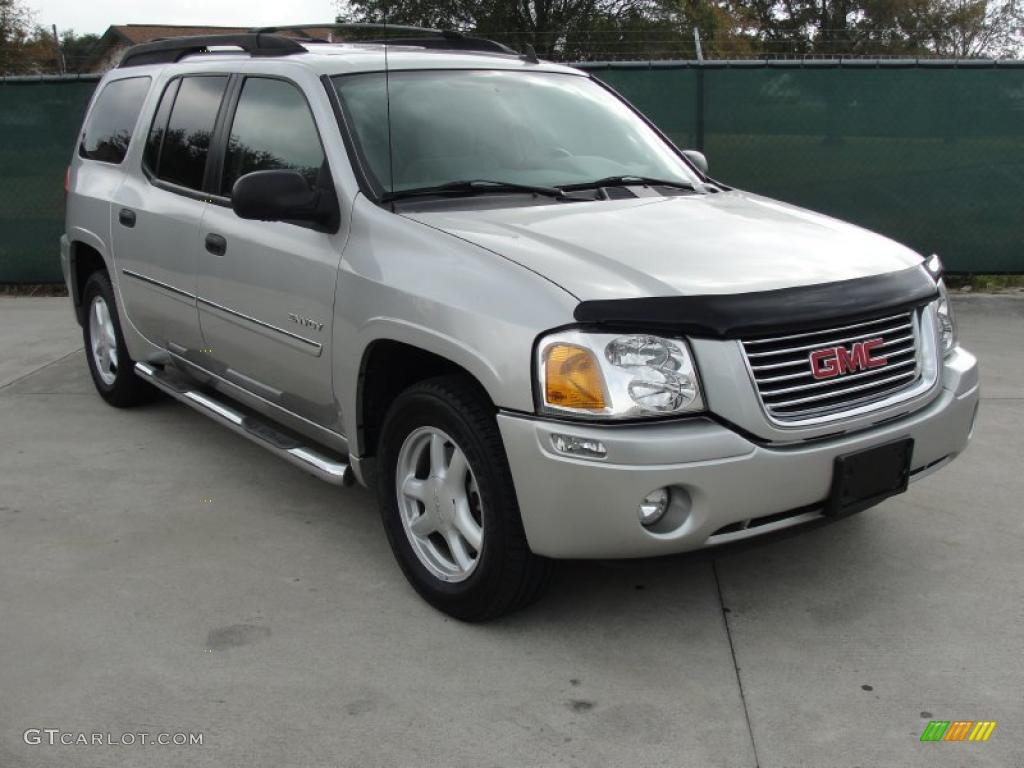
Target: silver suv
(489, 288)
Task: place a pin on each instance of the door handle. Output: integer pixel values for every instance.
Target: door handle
(216, 244)
(126, 217)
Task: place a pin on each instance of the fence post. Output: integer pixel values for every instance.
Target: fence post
(699, 111)
(698, 138)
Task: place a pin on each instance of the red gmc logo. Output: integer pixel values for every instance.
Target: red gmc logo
(835, 361)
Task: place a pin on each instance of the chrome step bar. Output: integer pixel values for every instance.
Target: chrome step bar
(260, 431)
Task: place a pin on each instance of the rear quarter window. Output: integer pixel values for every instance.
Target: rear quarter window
(108, 131)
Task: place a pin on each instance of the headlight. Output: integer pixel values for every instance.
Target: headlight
(946, 320)
(612, 376)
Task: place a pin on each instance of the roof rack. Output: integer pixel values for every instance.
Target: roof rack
(421, 37)
(174, 49)
(267, 41)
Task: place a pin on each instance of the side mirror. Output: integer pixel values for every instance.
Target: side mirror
(698, 159)
(284, 196)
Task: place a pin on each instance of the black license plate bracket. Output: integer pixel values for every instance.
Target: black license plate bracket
(865, 478)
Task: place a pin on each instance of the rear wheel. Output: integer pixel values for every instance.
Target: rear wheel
(109, 363)
(449, 506)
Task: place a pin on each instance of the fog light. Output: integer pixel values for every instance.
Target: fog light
(579, 446)
(653, 507)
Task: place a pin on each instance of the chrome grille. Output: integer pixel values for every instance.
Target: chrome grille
(782, 369)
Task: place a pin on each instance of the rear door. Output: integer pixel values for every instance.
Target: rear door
(100, 168)
(156, 215)
(266, 289)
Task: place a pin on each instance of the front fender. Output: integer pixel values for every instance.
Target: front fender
(406, 282)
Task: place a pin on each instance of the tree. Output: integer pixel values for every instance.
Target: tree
(26, 49)
(644, 29)
(15, 28)
(552, 27)
(948, 28)
(77, 49)
(969, 28)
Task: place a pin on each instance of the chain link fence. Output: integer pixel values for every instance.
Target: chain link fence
(39, 120)
(930, 153)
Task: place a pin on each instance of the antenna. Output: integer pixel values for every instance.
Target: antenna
(387, 96)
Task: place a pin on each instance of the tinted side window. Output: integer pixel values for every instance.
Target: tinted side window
(273, 129)
(112, 120)
(186, 141)
(155, 141)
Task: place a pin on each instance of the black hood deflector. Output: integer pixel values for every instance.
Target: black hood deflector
(742, 315)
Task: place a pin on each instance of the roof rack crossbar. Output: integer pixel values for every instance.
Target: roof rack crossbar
(356, 26)
(421, 37)
(474, 44)
(174, 49)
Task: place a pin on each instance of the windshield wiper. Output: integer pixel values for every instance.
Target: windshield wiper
(474, 187)
(628, 181)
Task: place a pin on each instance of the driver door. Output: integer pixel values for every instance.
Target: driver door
(266, 289)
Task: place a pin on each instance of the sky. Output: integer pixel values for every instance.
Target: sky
(96, 15)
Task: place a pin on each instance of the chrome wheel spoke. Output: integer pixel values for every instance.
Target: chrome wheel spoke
(415, 488)
(467, 527)
(106, 325)
(456, 474)
(458, 550)
(437, 457)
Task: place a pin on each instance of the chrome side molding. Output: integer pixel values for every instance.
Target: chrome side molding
(312, 459)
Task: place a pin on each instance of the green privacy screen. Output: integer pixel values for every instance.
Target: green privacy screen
(929, 153)
(38, 125)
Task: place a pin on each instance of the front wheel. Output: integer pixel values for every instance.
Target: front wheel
(449, 506)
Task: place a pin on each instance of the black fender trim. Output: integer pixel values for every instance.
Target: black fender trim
(742, 315)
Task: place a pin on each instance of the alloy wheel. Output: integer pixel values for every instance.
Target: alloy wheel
(439, 503)
(103, 341)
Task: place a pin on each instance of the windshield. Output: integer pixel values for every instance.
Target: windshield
(539, 129)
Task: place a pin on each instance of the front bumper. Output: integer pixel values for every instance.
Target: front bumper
(580, 508)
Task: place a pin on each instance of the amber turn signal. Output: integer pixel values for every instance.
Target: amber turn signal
(572, 378)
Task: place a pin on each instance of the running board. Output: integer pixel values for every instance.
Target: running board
(261, 432)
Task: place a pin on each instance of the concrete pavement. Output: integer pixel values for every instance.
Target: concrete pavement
(159, 574)
(33, 333)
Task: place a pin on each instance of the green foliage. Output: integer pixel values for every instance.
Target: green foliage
(650, 29)
(77, 49)
(28, 49)
(15, 28)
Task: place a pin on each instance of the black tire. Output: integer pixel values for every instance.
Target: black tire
(126, 389)
(507, 576)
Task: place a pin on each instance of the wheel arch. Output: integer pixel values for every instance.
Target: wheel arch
(84, 258)
(391, 364)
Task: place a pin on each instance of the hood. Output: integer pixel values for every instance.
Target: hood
(727, 242)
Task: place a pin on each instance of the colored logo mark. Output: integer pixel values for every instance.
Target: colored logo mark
(958, 730)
